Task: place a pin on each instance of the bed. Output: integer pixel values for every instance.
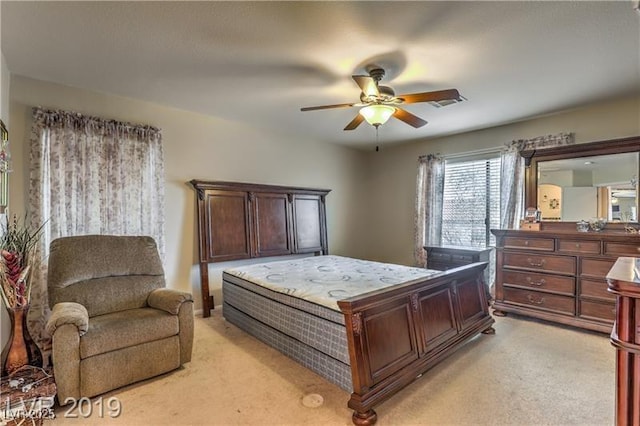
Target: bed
(371, 339)
(371, 328)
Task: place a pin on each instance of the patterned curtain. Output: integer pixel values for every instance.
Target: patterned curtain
(512, 175)
(429, 197)
(91, 176)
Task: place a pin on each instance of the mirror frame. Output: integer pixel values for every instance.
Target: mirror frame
(533, 157)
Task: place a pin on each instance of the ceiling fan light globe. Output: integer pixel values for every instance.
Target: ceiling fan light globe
(377, 115)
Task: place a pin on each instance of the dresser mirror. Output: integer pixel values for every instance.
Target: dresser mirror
(584, 181)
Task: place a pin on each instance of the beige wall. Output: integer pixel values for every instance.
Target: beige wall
(203, 147)
(4, 91)
(392, 171)
(4, 114)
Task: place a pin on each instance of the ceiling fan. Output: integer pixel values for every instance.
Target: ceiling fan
(380, 102)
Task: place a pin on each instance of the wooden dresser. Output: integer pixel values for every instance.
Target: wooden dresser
(559, 275)
(624, 282)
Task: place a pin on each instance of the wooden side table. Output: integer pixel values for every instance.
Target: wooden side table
(624, 282)
(27, 396)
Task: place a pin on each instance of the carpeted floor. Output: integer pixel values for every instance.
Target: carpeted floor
(528, 373)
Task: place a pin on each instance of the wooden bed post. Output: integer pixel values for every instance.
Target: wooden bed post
(207, 300)
(362, 415)
(364, 419)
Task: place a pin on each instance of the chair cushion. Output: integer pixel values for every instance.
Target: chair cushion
(110, 294)
(84, 257)
(122, 329)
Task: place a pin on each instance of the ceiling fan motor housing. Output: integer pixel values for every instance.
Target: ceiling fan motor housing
(377, 74)
(385, 94)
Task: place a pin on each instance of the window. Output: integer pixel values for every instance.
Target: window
(471, 201)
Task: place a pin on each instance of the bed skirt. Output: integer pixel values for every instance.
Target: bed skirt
(313, 341)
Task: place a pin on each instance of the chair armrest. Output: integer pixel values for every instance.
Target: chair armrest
(168, 300)
(68, 313)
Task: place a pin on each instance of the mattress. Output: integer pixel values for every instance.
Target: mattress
(292, 305)
(323, 280)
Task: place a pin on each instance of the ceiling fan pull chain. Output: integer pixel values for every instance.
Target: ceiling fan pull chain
(377, 147)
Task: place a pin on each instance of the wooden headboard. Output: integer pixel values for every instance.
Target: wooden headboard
(245, 220)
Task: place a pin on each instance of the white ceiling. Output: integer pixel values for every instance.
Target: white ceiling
(260, 62)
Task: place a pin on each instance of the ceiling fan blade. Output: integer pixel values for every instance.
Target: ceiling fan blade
(438, 95)
(355, 122)
(313, 108)
(407, 117)
(367, 85)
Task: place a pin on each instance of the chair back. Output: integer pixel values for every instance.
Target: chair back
(105, 273)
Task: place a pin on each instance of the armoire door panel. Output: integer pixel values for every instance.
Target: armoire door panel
(271, 224)
(227, 225)
(471, 301)
(438, 322)
(390, 336)
(308, 229)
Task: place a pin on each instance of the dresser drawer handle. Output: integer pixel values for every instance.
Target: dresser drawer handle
(538, 264)
(536, 283)
(534, 301)
(526, 242)
(577, 245)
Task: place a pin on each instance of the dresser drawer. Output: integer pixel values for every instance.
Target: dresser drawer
(438, 257)
(539, 300)
(596, 288)
(542, 282)
(578, 246)
(622, 249)
(597, 310)
(462, 259)
(596, 267)
(438, 266)
(539, 244)
(540, 262)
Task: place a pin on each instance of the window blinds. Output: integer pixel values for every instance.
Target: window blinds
(471, 205)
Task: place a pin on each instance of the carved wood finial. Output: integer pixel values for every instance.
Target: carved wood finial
(290, 198)
(356, 323)
(200, 192)
(414, 302)
(251, 196)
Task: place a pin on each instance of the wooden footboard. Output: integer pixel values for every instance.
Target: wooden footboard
(397, 334)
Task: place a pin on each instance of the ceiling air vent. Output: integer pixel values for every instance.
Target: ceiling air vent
(445, 102)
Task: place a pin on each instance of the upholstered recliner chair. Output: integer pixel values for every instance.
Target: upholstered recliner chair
(113, 322)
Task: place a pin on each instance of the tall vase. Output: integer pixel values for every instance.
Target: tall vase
(20, 350)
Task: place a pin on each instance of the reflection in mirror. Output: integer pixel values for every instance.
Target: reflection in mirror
(575, 189)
